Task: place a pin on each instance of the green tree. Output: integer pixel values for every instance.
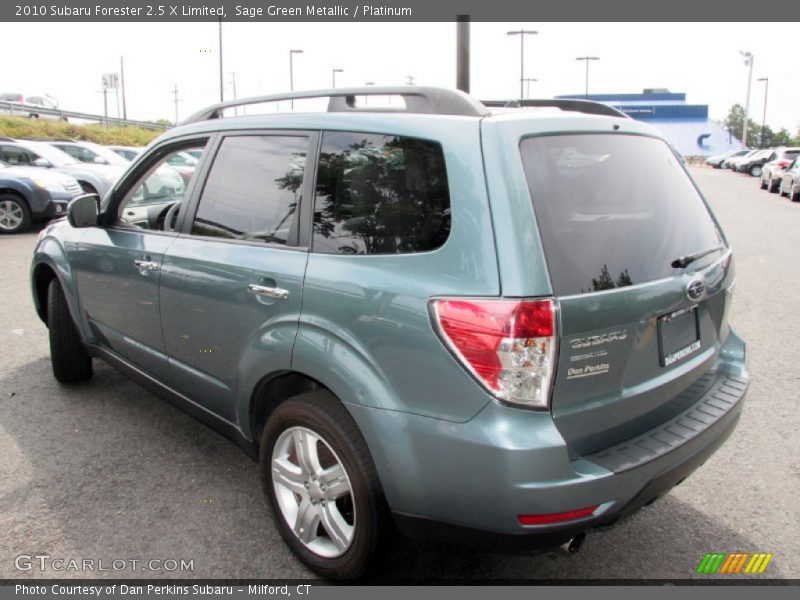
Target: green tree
(735, 119)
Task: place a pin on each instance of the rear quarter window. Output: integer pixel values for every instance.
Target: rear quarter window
(380, 194)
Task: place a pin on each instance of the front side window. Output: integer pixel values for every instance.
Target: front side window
(156, 199)
(14, 155)
(254, 189)
(380, 194)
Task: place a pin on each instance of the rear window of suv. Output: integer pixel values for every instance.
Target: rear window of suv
(613, 210)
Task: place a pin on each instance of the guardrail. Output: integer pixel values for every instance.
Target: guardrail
(25, 110)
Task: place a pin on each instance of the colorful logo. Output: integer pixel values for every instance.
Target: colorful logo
(734, 563)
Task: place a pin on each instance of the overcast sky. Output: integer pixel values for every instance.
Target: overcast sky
(702, 59)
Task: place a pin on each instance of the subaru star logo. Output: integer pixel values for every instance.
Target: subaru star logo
(696, 290)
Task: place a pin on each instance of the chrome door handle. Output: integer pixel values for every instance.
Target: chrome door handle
(146, 265)
(270, 292)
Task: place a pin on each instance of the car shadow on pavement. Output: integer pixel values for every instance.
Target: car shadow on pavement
(106, 470)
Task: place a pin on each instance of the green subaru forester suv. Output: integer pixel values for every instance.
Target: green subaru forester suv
(473, 322)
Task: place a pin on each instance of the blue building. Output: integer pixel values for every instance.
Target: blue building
(686, 126)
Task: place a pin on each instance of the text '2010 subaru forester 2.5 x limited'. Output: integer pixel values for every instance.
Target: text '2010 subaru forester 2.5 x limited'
(499, 326)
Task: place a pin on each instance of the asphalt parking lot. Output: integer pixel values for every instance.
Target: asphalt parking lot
(107, 471)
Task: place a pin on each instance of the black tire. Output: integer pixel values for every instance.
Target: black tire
(21, 212)
(794, 197)
(755, 171)
(764, 185)
(320, 412)
(71, 363)
(773, 187)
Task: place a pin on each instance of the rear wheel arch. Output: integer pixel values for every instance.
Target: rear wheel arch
(271, 391)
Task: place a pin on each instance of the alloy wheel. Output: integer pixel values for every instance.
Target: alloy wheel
(313, 491)
(11, 215)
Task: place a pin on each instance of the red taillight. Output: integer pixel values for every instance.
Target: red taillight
(782, 164)
(508, 344)
(557, 517)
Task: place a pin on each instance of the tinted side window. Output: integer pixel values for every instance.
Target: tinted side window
(14, 155)
(253, 189)
(380, 194)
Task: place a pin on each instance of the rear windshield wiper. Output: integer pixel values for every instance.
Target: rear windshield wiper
(684, 261)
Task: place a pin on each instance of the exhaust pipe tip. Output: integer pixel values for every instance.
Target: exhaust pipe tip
(571, 547)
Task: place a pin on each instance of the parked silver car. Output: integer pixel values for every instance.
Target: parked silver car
(93, 178)
(790, 184)
(777, 162)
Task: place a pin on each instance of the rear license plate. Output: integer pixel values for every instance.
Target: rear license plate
(678, 335)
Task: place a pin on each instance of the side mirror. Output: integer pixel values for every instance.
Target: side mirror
(41, 162)
(82, 211)
(100, 160)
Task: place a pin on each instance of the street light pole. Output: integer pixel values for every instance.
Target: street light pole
(764, 119)
(333, 74)
(748, 60)
(291, 70)
(522, 33)
(528, 81)
(586, 59)
(221, 83)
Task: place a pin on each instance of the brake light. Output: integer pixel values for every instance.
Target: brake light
(557, 517)
(782, 164)
(508, 345)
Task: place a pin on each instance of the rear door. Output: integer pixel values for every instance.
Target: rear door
(231, 284)
(639, 326)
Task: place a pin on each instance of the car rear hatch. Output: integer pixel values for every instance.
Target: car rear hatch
(640, 271)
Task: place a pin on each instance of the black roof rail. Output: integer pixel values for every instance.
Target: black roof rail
(4, 138)
(41, 139)
(418, 99)
(584, 106)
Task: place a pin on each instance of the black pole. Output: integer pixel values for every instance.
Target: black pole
(462, 53)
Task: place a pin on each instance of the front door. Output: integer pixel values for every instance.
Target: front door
(119, 266)
(231, 284)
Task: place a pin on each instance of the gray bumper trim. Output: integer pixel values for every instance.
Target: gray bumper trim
(720, 399)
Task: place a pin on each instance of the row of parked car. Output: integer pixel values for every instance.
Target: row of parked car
(778, 169)
(38, 178)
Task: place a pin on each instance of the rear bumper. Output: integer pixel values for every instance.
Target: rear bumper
(469, 481)
(556, 535)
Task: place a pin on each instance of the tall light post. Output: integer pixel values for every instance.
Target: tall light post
(586, 59)
(522, 33)
(221, 84)
(748, 61)
(528, 82)
(291, 70)
(333, 75)
(764, 118)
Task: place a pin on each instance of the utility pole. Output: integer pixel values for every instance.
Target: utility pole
(764, 119)
(105, 106)
(522, 33)
(122, 82)
(221, 85)
(291, 70)
(410, 79)
(233, 83)
(748, 61)
(528, 81)
(175, 94)
(586, 59)
(333, 73)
